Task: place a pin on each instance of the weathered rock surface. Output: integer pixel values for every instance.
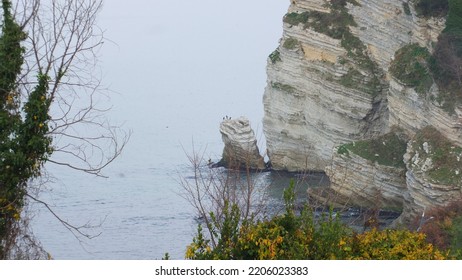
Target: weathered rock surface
(241, 150)
(384, 27)
(412, 112)
(329, 83)
(367, 184)
(434, 165)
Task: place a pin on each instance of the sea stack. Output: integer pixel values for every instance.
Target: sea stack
(241, 150)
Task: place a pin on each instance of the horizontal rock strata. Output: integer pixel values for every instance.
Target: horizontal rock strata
(367, 184)
(240, 151)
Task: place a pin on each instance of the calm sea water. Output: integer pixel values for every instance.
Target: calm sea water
(177, 68)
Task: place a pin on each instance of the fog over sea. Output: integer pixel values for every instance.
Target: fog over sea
(176, 69)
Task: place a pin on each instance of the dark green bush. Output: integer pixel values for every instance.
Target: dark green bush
(432, 8)
(446, 61)
(296, 18)
(291, 43)
(275, 56)
(406, 8)
(410, 66)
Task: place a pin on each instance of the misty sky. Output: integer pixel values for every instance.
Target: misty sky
(185, 64)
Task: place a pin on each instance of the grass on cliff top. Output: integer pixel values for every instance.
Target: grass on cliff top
(387, 149)
(410, 66)
(333, 24)
(446, 157)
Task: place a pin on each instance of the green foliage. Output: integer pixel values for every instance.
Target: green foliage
(446, 61)
(393, 245)
(351, 79)
(456, 237)
(225, 229)
(296, 18)
(275, 56)
(283, 87)
(410, 66)
(336, 4)
(293, 236)
(291, 43)
(454, 19)
(431, 8)
(200, 248)
(445, 156)
(406, 8)
(444, 229)
(166, 257)
(11, 51)
(343, 150)
(24, 140)
(387, 149)
(333, 24)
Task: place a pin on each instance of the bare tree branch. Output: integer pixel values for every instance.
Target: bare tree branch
(212, 190)
(77, 231)
(63, 43)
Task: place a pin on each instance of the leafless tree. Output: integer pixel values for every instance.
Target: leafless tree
(215, 190)
(63, 43)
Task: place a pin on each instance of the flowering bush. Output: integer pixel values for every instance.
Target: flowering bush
(302, 236)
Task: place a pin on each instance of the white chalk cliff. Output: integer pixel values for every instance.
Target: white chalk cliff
(338, 78)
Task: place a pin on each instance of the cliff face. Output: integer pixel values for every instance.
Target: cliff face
(351, 71)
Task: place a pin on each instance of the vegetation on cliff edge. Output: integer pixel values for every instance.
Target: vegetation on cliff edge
(442, 159)
(410, 66)
(387, 149)
(446, 61)
(431, 8)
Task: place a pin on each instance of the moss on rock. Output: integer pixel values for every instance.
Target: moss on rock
(387, 149)
(410, 67)
(437, 157)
